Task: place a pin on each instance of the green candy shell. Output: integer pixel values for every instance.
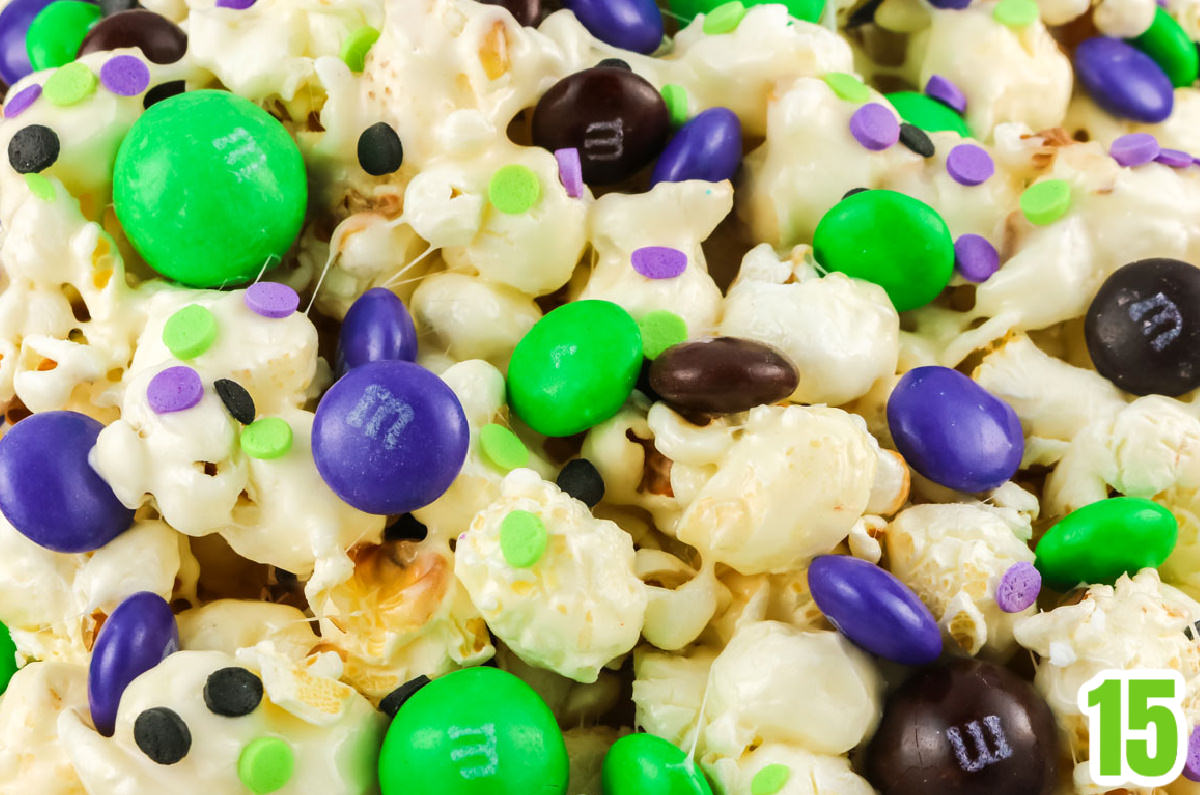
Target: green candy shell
(1171, 48)
(645, 764)
(927, 113)
(804, 10)
(8, 658)
(1099, 542)
(58, 30)
(891, 239)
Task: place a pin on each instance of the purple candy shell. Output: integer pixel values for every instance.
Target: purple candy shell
(708, 146)
(377, 327)
(237, 5)
(629, 24)
(1123, 80)
(1019, 587)
(14, 24)
(135, 638)
(1191, 767)
(953, 5)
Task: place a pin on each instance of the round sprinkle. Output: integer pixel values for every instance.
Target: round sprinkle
(946, 92)
(659, 262)
(676, 98)
(1134, 149)
(615, 63)
(1019, 587)
(237, 5)
(174, 389)
(970, 165)
(724, 18)
(393, 701)
(357, 45)
(975, 258)
(875, 127)
(163, 91)
(126, 75)
(660, 330)
(189, 332)
(514, 189)
(770, 779)
(1046, 202)
(1191, 768)
(271, 299)
(20, 101)
(265, 765)
(232, 692)
(580, 479)
(41, 187)
(269, 437)
(570, 171)
(33, 148)
(1175, 158)
(522, 539)
(502, 447)
(162, 735)
(1015, 13)
(379, 149)
(70, 84)
(847, 87)
(237, 400)
(916, 139)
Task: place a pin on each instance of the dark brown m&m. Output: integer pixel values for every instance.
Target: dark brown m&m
(526, 12)
(159, 39)
(1143, 327)
(33, 148)
(379, 149)
(162, 735)
(232, 692)
(723, 375)
(617, 120)
(965, 727)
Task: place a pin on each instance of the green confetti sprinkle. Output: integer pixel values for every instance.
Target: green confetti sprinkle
(266, 765)
(847, 87)
(357, 45)
(514, 190)
(523, 539)
(770, 779)
(724, 18)
(189, 332)
(676, 98)
(269, 437)
(1015, 13)
(660, 330)
(41, 186)
(1046, 202)
(70, 84)
(502, 447)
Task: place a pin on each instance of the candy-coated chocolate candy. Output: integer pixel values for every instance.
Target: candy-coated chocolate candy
(134, 639)
(8, 658)
(377, 327)
(1143, 327)
(805, 10)
(708, 147)
(891, 239)
(724, 375)
(49, 492)
(1099, 542)
(965, 727)
(205, 166)
(617, 120)
(927, 113)
(1171, 48)
(629, 24)
(56, 32)
(159, 39)
(389, 437)
(953, 431)
(1191, 767)
(575, 367)
(478, 731)
(646, 764)
(1123, 80)
(525, 12)
(873, 609)
(15, 19)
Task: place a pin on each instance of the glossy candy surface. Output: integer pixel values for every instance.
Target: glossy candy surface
(806, 10)
(159, 39)
(629, 24)
(377, 327)
(8, 658)
(646, 764)
(927, 113)
(1099, 542)
(1171, 48)
(134, 639)
(1123, 80)
(722, 375)
(708, 147)
(15, 19)
(56, 32)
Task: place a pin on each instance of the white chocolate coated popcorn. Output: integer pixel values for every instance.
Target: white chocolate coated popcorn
(32, 759)
(808, 773)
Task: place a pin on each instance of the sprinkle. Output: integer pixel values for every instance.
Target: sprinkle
(393, 701)
(232, 692)
(847, 87)
(1134, 149)
(1019, 587)
(1175, 158)
(163, 91)
(724, 18)
(523, 539)
(659, 262)
(1191, 768)
(125, 75)
(174, 389)
(237, 400)
(380, 151)
(20, 101)
(853, 192)
(33, 148)
(1046, 202)
(970, 165)
(189, 332)
(271, 299)
(269, 437)
(946, 92)
(975, 258)
(70, 84)
(660, 330)
(237, 5)
(916, 139)
(570, 171)
(1015, 13)
(357, 45)
(676, 98)
(770, 779)
(162, 735)
(580, 479)
(266, 765)
(514, 189)
(502, 447)
(41, 187)
(874, 126)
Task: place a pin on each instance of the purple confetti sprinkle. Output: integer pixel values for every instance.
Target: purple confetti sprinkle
(239, 5)
(271, 299)
(1019, 587)
(20, 101)
(975, 258)
(1134, 149)
(874, 127)
(659, 262)
(1174, 158)
(570, 171)
(125, 75)
(1191, 768)
(970, 165)
(174, 389)
(945, 92)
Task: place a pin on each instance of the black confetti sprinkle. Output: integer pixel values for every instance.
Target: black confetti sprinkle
(232, 692)
(33, 148)
(379, 149)
(162, 735)
(915, 139)
(581, 480)
(237, 400)
(852, 191)
(394, 700)
(162, 91)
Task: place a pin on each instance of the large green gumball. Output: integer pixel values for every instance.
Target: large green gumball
(209, 188)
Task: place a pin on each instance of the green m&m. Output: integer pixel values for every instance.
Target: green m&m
(804, 10)
(927, 113)
(1171, 48)
(891, 239)
(478, 731)
(57, 31)
(1099, 542)
(646, 764)
(8, 658)
(209, 188)
(575, 367)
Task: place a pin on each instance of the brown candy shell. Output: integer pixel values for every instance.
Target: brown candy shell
(159, 39)
(723, 375)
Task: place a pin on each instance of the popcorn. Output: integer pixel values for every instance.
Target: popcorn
(32, 757)
(467, 317)
(808, 773)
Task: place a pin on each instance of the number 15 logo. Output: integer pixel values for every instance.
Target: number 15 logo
(1136, 726)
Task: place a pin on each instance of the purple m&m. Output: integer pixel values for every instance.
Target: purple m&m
(708, 147)
(1123, 80)
(629, 24)
(135, 638)
(376, 328)
(954, 431)
(389, 437)
(1191, 766)
(49, 492)
(873, 609)
(14, 24)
